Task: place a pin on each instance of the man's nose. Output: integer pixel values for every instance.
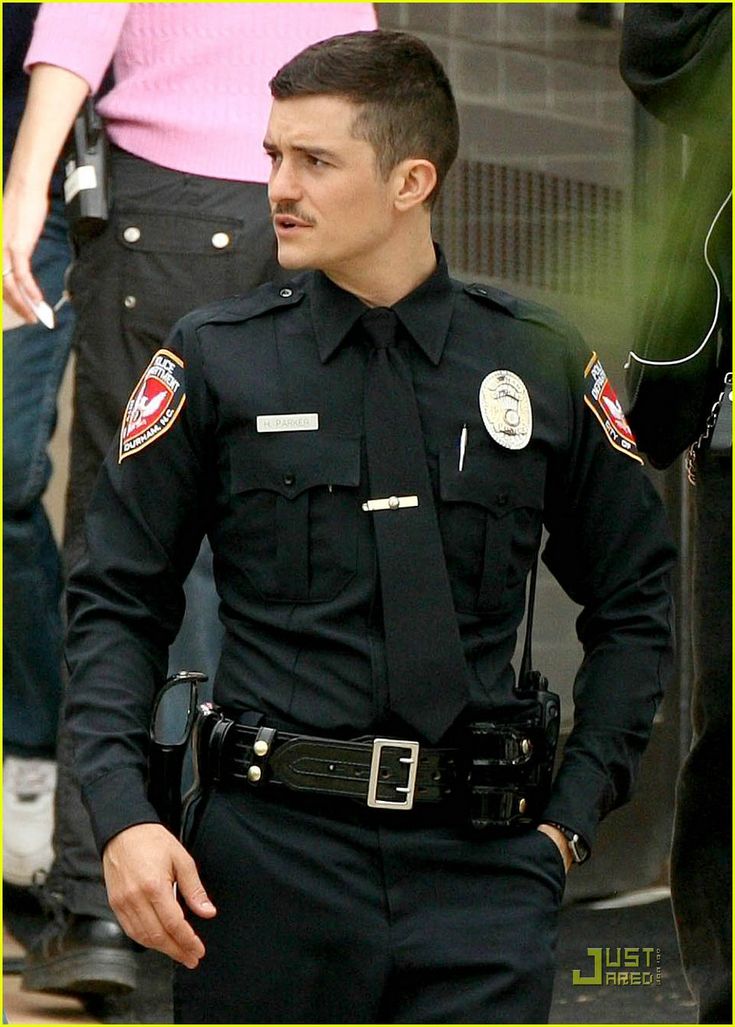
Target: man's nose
(283, 183)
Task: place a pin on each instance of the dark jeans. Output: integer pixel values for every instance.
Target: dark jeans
(701, 864)
(348, 918)
(129, 288)
(34, 360)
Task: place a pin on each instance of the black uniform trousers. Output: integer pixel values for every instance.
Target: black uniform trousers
(174, 242)
(332, 913)
(701, 858)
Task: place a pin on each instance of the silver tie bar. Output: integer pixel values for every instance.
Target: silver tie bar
(391, 503)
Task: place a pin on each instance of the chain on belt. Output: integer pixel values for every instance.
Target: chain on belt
(696, 447)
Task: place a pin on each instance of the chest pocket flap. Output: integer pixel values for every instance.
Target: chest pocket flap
(297, 507)
(501, 480)
(491, 516)
(292, 462)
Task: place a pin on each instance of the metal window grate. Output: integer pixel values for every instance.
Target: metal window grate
(531, 228)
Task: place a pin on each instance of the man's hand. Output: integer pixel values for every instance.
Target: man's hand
(141, 866)
(560, 841)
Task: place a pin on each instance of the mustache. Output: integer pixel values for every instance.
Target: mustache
(291, 210)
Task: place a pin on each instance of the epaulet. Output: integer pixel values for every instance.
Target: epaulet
(522, 309)
(243, 308)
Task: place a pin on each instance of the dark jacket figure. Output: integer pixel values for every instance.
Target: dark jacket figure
(677, 60)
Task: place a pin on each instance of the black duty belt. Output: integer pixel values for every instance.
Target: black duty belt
(382, 773)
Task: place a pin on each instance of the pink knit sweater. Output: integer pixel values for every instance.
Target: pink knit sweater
(191, 80)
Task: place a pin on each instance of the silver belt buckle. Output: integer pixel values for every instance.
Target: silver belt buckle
(406, 791)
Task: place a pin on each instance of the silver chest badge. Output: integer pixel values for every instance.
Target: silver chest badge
(506, 409)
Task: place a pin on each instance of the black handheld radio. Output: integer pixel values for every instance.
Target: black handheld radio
(86, 173)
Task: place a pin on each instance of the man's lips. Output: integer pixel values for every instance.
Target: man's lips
(288, 221)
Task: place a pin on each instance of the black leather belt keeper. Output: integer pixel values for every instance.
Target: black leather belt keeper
(500, 768)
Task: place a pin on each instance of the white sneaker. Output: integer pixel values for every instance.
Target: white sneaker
(28, 818)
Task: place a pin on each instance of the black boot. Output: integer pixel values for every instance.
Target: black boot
(80, 955)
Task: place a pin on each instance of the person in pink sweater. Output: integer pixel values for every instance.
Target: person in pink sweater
(189, 223)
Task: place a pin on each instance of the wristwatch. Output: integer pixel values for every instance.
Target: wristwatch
(577, 846)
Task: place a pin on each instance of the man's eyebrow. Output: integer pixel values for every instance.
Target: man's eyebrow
(314, 151)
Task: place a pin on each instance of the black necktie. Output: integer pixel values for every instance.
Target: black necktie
(427, 671)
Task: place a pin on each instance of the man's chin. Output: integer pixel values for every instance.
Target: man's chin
(291, 260)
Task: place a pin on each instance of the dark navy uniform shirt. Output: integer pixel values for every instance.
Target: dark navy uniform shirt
(294, 554)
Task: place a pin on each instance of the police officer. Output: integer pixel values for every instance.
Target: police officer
(372, 450)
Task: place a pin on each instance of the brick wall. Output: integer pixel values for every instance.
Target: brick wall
(540, 199)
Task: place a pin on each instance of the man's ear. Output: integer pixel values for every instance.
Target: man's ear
(415, 181)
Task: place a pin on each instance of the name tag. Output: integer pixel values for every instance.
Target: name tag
(287, 422)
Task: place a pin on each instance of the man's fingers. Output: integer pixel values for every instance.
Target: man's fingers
(141, 865)
(190, 886)
(150, 932)
(155, 920)
(179, 933)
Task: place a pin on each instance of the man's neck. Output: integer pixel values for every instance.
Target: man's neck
(386, 281)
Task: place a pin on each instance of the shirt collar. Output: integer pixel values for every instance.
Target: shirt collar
(425, 312)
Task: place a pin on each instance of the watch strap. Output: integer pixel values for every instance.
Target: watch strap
(577, 845)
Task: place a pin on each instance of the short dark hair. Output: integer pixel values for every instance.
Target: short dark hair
(406, 101)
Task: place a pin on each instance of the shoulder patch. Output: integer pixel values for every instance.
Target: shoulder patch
(155, 404)
(600, 397)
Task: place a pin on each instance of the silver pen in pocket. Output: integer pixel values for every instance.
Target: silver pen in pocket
(462, 446)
